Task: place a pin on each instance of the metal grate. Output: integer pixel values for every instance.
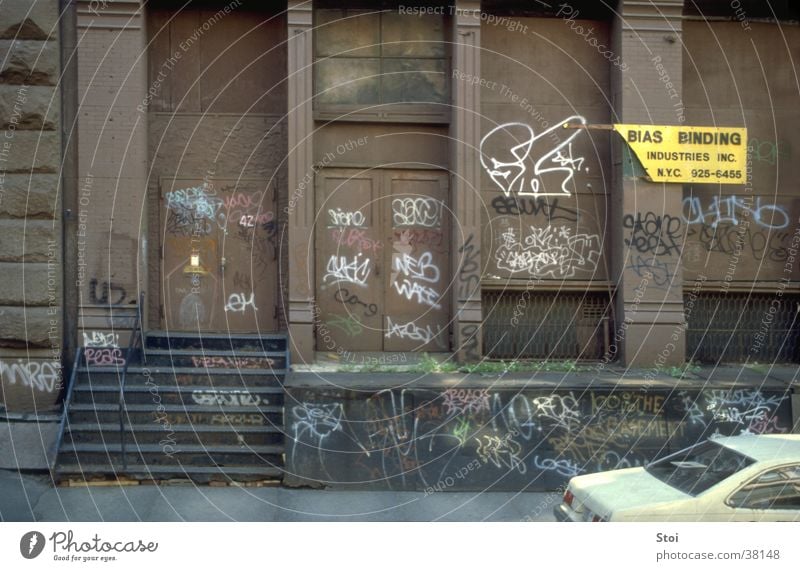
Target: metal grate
(545, 325)
(735, 328)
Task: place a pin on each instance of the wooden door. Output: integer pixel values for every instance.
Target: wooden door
(382, 264)
(417, 302)
(349, 261)
(219, 255)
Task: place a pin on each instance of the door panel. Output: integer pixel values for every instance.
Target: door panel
(382, 260)
(349, 250)
(417, 299)
(219, 255)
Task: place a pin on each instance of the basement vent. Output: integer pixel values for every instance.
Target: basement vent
(738, 328)
(545, 325)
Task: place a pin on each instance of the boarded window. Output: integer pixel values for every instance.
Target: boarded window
(365, 58)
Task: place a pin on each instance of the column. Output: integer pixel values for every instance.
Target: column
(300, 181)
(465, 129)
(646, 216)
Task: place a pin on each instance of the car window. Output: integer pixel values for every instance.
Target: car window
(777, 489)
(792, 472)
(696, 469)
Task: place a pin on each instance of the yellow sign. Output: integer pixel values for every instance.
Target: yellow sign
(689, 154)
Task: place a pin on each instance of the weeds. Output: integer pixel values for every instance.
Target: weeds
(690, 367)
(429, 365)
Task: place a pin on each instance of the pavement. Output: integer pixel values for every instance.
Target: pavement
(31, 497)
(27, 445)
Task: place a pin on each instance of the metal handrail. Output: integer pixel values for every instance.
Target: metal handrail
(67, 401)
(136, 337)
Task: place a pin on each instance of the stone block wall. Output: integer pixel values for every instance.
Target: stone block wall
(31, 271)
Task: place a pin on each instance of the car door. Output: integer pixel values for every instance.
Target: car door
(773, 495)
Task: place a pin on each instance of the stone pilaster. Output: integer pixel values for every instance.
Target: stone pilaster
(647, 216)
(300, 181)
(31, 265)
(465, 128)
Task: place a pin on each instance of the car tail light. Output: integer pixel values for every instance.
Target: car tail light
(598, 518)
(568, 497)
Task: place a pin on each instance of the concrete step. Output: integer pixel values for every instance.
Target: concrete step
(152, 433)
(213, 359)
(166, 375)
(167, 454)
(199, 474)
(215, 341)
(178, 395)
(175, 415)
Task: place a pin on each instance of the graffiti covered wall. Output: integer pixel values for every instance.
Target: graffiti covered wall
(543, 187)
(744, 233)
(505, 439)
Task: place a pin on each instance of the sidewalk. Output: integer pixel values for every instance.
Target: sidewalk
(32, 498)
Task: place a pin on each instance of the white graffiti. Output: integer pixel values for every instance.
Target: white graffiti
(100, 339)
(408, 272)
(747, 407)
(341, 217)
(564, 467)
(516, 416)
(741, 397)
(341, 269)
(562, 410)
(731, 209)
(567, 160)
(239, 302)
(691, 411)
(417, 212)
(516, 150)
(44, 376)
(548, 252)
(197, 201)
(421, 268)
(317, 421)
(412, 331)
(424, 295)
(212, 397)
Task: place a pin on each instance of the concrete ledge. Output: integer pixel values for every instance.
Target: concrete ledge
(370, 382)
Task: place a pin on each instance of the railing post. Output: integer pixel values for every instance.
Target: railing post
(137, 335)
(65, 409)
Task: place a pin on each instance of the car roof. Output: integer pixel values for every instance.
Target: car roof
(764, 447)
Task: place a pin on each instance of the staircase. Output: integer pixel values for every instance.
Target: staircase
(203, 406)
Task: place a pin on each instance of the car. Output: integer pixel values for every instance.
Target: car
(730, 478)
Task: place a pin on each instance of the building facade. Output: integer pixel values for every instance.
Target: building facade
(390, 178)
